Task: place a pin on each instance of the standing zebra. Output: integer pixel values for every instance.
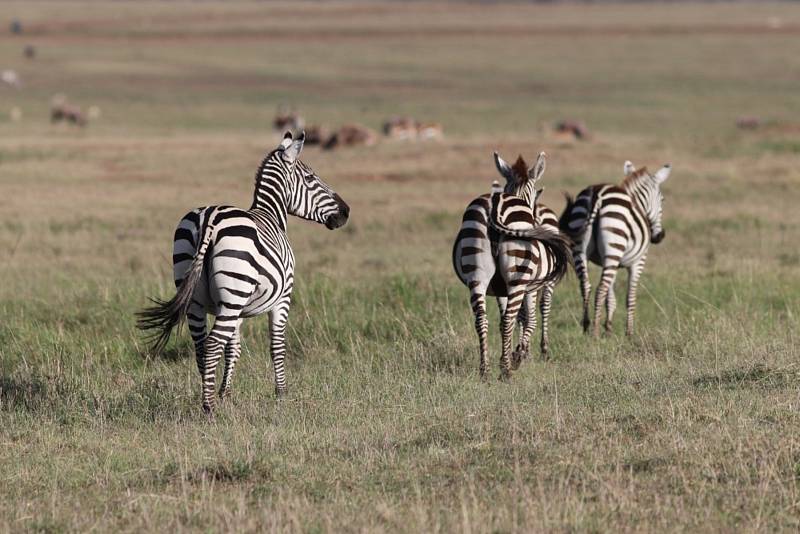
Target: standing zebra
(500, 252)
(613, 226)
(543, 217)
(235, 263)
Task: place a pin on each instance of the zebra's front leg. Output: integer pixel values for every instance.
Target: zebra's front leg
(478, 302)
(634, 272)
(606, 281)
(232, 352)
(582, 271)
(278, 317)
(224, 326)
(545, 303)
(508, 321)
(527, 317)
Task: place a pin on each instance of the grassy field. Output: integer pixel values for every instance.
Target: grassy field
(691, 424)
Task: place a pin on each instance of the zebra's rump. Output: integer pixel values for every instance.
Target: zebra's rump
(247, 266)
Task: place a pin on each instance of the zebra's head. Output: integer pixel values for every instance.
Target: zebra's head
(520, 180)
(309, 197)
(645, 188)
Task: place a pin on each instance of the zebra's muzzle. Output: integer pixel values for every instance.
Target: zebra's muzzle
(658, 238)
(338, 219)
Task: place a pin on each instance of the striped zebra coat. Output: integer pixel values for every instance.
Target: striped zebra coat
(234, 263)
(499, 251)
(613, 226)
(543, 217)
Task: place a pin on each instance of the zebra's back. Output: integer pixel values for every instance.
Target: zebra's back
(604, 221)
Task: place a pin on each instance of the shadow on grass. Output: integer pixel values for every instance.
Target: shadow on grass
(757, 376)
(21, 393)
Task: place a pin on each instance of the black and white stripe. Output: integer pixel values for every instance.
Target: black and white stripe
(499, 251)
(613, 226)
(235, 263)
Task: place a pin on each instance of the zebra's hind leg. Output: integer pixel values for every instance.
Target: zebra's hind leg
(478, 302)
(606, 281)
(545, 303)
(634, 272)
(527, 317)
(196, 319)
(611, 306)
(581, 270)
(224, 326)
(508, 322)
(278, 317)
(232, 352)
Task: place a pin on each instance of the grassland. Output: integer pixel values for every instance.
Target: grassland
(692, 424)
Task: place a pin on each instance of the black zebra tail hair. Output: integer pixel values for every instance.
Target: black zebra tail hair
(563, 221)
(560, 247)
(160, 319)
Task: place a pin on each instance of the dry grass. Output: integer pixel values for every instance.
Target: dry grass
(690, 425)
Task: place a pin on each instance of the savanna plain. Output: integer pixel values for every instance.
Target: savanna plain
(690, 424)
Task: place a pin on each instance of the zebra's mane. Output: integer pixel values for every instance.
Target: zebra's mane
(260, 171)
(520, 169)
(635, 178)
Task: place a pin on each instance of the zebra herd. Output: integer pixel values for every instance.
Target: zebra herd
(234, 263)
(512, 247)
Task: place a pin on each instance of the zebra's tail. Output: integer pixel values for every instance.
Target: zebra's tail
(159, 320)
(560, 247)
(563, 221)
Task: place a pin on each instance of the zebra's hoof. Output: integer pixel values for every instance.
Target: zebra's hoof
(505, 376)
(281, 393)
(517, 357)
(545, 355)
(586, 325)
(208, 409)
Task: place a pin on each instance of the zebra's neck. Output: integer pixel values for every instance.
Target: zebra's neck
(269, 197)
(639, 190)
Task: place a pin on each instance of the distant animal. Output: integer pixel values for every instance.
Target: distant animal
(16, 27)
(577, 129)
(235, 264)
(400, 128)
(748, 123)
(543, 217)
(430, 130)
(11, 78)
(67, 113)
(408, 128)
(499, 251)
(613, 226)
(288, 119)
(29, 51)
(351, 135)
(316, 135)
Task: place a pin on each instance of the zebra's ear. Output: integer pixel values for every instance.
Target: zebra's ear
(536, 172)
(291, 153)
(628, 168)
(503, 168)
(286, 141)
(662, 174)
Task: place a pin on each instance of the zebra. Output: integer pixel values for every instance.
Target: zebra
(546, 218)
(500, 252)
(235, 263)
(613, 226)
